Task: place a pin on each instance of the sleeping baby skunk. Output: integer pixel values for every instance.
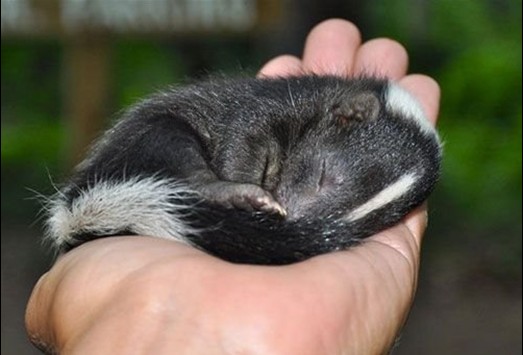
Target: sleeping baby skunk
(262, 171)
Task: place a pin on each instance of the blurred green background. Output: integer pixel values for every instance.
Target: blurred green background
(469, 297)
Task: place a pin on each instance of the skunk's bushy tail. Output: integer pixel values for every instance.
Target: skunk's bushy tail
(169, 209)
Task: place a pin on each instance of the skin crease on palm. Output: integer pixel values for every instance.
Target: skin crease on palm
(142, 295)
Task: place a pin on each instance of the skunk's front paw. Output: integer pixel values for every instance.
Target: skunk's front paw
(248, 197)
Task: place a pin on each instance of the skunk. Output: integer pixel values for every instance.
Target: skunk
(254, 170)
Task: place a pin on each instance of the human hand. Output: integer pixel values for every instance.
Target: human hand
(134, 295)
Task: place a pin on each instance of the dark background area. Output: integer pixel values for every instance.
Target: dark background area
(469, 297)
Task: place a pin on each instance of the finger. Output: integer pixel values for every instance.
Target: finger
(406, 237)
(282, 66)
(330, 48)
(426, 90)
(381, 57)
(37, 314)
(401, 240)
(416, 222)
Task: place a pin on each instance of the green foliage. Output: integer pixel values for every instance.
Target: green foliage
(142, 67)
(30, 103)
(30, 142)
(30, 81)
(481, 122)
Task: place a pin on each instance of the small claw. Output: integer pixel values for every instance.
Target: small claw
(281, 210)
(267, 204)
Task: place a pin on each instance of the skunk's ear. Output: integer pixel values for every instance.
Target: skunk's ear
(363, 106)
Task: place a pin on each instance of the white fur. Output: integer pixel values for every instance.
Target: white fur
(385, 196)
(401, 102)
(142, 205)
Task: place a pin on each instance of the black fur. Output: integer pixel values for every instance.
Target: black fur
(314, 147)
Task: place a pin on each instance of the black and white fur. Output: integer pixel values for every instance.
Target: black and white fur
(264, 171)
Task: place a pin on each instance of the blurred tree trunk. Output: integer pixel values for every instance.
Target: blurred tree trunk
(87, 83)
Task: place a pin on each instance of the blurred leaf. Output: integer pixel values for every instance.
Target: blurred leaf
(142, 68)
(29, 142)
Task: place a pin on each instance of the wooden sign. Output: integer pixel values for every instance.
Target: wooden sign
(68, 17)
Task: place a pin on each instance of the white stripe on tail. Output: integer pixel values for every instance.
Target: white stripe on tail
(142, 205)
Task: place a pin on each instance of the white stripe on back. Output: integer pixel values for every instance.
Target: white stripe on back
(384, 197)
